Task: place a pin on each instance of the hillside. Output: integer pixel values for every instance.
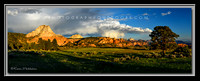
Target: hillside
(16, 40)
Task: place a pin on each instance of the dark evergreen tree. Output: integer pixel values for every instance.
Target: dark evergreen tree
(54, 44)
(41, 44)
(48, 45)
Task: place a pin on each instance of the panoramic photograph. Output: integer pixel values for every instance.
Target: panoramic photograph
(99, 40)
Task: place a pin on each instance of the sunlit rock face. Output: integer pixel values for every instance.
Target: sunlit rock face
(76, 36)
(42, 31)
(45, 32)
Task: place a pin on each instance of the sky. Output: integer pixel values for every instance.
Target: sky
(126, 23)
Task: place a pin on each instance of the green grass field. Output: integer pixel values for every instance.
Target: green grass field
(95, 60)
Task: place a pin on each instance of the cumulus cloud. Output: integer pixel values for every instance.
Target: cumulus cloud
(25, 20)
(112, 34)
(163, 14)
(113, 28)
(116, 25)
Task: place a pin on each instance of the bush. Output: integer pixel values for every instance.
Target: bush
(167, 56)
(116, 59)
(64, 60)
(42, 55)
(149, 55)
(181, 55)
(74, 53)
(128, 57)
(156, 55)
(190, 55)
(145, 55)
(137, 58)
(87, 55)
(102, 53)
(84, 53)
(182, 50)
(123, 58)
(132, 57)
(172, 56)
(94, 52)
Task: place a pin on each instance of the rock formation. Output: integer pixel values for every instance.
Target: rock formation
(182, 45)
(42, 31)
(76, 36)
(131, 39)
(45, 32)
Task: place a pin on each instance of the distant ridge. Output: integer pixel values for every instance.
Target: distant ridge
(184, 42)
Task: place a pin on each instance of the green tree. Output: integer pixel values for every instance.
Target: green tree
(33, 45)
(54, 44)
(48, 45)
(163, 37)
(26, 46)
(41, 44)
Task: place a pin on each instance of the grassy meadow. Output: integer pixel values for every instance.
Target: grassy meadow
(96, 60)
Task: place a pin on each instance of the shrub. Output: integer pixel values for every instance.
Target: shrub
(172, 56)
(156, 55)
(102, 53)
(181, 55)
(42, 55)
(132, 57)
(137, 58)
(166, 56)
(84, 53)
(64, 60)
(116, 59)
(190, 55)
(175, 53)
(182, 50)
(123, 58)
(74, 53)
(94, 52)
(149, 55)
(128, 57)
(145, 55)
(87, 54)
